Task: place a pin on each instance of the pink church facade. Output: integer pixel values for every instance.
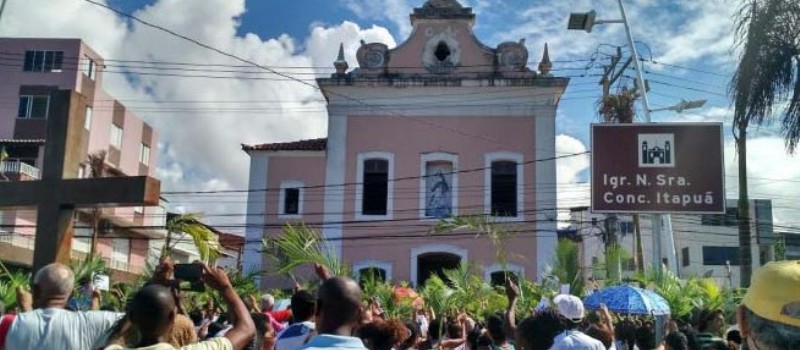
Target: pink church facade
(34, 68)
(441, 125)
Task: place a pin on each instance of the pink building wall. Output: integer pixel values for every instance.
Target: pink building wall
(73, 76)
(408, 140)
(13, 76)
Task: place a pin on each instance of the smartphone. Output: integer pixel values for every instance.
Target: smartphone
(189, 272)
(196, 286)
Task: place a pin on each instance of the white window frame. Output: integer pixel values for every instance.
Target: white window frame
(144, 154)
(87, 118)
(487, 184)
(29, 108)
(44, 62)
(91, 68)
(360, 159)
(281, 205)
(489, 270)
(115, 253)
(116, 142)
(425, 158)
(365, 264)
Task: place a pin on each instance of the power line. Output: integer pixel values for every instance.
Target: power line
(314, 86)
(389, 180)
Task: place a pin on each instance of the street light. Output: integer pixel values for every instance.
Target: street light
(587, 20)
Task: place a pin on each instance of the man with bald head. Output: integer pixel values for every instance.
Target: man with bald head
(338, 312)
(49, 325)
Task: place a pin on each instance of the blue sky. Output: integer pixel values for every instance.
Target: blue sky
(691, 41)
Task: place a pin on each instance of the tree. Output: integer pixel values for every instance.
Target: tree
(97, 169)
(567, 266)
(206, 241)
(767, 76)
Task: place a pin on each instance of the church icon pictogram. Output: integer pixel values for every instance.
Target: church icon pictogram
(656, 150)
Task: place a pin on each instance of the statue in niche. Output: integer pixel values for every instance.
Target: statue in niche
(439, 196)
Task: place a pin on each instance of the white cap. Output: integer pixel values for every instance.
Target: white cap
(570, 307)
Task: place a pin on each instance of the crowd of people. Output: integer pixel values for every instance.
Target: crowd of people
(334, 317)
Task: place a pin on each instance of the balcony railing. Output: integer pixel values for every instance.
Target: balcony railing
(18, 167)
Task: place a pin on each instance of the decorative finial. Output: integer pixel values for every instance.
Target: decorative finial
(545, 65)
(340, 63)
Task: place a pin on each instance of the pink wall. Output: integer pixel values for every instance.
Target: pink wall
(408, 140)
(14, 77)
(310, 171)
(473, 57)
(298, 167)
(138, 257)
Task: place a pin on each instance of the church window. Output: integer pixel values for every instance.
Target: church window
(442, 51)
(291, 199)
(504, 189)
(375, 187)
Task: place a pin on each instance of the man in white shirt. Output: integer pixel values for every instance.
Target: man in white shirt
(571, 310)
(49, 325)
(296, 335)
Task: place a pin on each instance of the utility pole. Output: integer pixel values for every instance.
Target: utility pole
(2, 7)
(610, 76)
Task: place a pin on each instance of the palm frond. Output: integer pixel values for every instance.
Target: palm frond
(206, 241)
(300, 245)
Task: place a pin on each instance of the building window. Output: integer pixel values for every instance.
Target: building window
(503, 184)
(91, 68)
(116, 136)
(374, 174)
(120, 250)
(371, 274)
(33, 106)
(43, 61)
(720, 255)
(686, 261)
(504, 189)
(291, 199)
(376, 187)
(626, 227)
(730, 218)
(144, 154)
(87, 118)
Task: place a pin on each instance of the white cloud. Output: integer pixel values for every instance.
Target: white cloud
(201, 138)
(772, 174)
(395, 11)
(569, 171)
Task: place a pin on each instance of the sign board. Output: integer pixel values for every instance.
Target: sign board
(658, 168)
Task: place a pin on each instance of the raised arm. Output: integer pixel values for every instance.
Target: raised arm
(243, 328)
(512, 293)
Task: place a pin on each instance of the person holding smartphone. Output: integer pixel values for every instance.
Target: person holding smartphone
(152, 312)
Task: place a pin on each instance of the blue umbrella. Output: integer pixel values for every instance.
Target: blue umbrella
(627, 299)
